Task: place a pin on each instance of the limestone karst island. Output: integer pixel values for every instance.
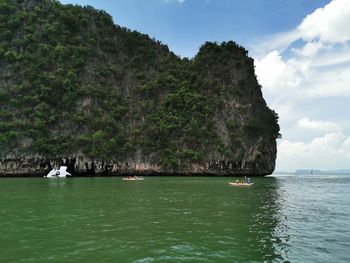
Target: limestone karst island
(78, 90)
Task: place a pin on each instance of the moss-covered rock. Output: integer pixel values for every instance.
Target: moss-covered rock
(75, 85)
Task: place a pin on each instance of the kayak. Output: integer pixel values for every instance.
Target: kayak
(241, 184)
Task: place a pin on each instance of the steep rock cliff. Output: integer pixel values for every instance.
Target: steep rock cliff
(76, 89)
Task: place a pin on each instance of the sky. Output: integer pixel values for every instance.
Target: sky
(301, 50)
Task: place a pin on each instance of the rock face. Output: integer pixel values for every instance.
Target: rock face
(79, 91)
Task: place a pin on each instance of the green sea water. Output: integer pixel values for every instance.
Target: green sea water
(175, 219)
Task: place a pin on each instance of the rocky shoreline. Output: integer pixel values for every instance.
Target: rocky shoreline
(82, 167)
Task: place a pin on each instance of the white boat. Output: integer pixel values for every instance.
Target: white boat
(240, 184)
(61, 173)
(133, 178)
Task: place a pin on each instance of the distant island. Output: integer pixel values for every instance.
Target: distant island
(315, 171)
(78, 90)
(307, 171)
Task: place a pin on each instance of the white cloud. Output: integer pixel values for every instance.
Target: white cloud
(331, 83)
(301, 75)
(302, 78)
(346, 144)
(327, 152)
(309, 50)
(271, 63)
(329, 24)
(279, 42)
(284, 76)
(309, 75)
(327, 126)
(333, 57)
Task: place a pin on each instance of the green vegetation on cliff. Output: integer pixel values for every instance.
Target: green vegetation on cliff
(72, 82)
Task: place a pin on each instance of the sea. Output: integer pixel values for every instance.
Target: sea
(281, 218)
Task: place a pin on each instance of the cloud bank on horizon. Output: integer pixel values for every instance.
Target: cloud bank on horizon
(305, 74)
